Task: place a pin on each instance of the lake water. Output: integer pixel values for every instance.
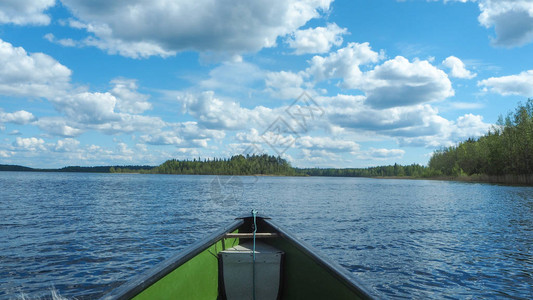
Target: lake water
(84, 234)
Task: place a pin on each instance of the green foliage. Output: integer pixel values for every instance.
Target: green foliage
(130, 169)
(236, 165)
(14, 168)
(396, 170)
(507, 149)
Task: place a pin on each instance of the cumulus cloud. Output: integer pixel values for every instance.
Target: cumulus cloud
(216, 113)
(469, 125)
(183, 135)
(66, 145)
(29, 144)
(418, 125)
(63, 42)
(87, 107)
(6, 153)
(233, 76)
(466, 126)
(58, 126)
(352, 112)
(22, 12)
(18, 117)
(141, 28)
(103, 112)
(128, 99)
(399, 82)
(320, 156)
(520, 84)
(381, 154)
(32, 75)
(457, 68)
(396, 82)
(344, 64)
(126, 123)
(512, 21)
(316, 40)
(284, 85)
(327, 144)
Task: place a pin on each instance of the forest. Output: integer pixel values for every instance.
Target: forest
(506, 150)
(236, 165)
(396, 170)
(271, 165)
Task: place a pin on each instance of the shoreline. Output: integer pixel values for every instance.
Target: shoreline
(508, 180)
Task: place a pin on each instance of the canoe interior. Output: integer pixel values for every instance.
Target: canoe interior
(194, 274)
(195, 279)
(306, 275)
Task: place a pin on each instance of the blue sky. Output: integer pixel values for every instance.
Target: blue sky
(322, 83)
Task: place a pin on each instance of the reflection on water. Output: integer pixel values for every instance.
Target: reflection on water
(84, 234)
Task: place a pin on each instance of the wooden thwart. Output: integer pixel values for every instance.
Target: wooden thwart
(258, 235)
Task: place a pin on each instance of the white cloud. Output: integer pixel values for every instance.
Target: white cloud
(183, 135)
(98, 111)
(215, 113)
(398, 82)
(418, 125)
(327, 144)
(128, 99)
(140, 28)
(457, 68)
(319, 156)
(344, 63)
(284, 85)
(521, 84)
(23, 12)
(66, 145)
(63, 42)
(31, 75)
(234, 76)
(512, 21)
(18, 117)
(86, 107)
(467, 126)
(125, 151)
(163, 138)
(30, 144)
(316, 40)
(351, 112)
(114, 46)
(58, 126)
(6, 154)
(463, 105)
(126, 123)
(381, 154)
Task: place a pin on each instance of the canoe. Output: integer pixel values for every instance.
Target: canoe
(238, 262)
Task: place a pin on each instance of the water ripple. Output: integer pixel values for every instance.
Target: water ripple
(84, 234)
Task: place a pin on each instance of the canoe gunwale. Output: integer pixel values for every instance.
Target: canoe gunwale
(332, 267)
(139, 283)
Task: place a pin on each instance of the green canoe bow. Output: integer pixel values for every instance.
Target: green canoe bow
(195, 272)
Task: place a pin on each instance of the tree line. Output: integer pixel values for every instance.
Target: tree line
(507, 149)
(396, 170)
(236, 165)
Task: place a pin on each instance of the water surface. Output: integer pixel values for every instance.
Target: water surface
(84, 234)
